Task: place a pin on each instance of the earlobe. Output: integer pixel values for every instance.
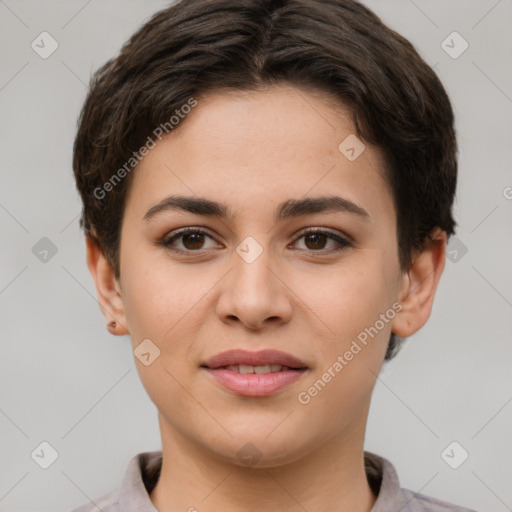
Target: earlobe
(419, 285)
(108, 290)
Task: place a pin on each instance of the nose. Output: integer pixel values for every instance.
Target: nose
(255, 294)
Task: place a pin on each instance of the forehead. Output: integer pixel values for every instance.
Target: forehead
(258, 148)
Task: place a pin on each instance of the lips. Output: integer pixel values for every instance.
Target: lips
(254, 374)
(262, 358)
(246, 369)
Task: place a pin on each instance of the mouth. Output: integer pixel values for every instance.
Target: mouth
(254, 374)
(269, 360)
(247, 369)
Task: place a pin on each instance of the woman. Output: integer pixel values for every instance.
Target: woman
(267, 190)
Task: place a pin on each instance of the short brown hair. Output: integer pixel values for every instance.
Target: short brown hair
(338, 47)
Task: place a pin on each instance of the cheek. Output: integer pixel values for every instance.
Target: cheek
(348, 299)
(168, 305)
(163, 305)
(350, 302)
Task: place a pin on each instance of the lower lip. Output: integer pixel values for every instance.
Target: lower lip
(255, 384)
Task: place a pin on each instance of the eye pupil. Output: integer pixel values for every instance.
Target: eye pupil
(197, 240)
(317, 240)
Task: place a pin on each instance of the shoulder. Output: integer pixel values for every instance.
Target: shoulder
(140, 475)
(106, 503)
(383, 479)
(421, 503)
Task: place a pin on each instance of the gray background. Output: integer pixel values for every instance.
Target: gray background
(65, 380)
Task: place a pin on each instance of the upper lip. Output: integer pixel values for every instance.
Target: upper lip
(260, 358)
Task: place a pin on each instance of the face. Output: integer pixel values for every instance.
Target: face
(274, 273)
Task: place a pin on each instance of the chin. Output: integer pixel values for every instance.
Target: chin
(254, 449)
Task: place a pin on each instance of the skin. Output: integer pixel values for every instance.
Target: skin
(251, 151)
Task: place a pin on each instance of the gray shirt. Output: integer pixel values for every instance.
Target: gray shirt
(143, 472)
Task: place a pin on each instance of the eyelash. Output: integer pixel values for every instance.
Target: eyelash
(343, 243)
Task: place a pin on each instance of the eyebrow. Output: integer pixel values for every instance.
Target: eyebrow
(288, 209)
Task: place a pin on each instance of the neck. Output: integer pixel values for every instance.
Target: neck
(331, 477)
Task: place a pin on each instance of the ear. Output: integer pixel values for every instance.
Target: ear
(419, 285)
(107, 287)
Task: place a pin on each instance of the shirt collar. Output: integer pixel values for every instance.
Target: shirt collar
(383, 480)
(139, 479)
(143, 472)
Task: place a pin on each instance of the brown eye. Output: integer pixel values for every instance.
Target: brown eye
(316, 241)
(192, 240)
